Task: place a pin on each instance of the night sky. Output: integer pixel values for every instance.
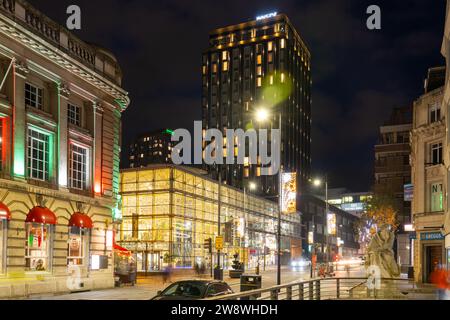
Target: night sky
(358, 75)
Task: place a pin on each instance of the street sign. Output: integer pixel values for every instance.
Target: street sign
(431, 236)
(219, 243)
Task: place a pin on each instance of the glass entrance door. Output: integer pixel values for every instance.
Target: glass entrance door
(153, 261)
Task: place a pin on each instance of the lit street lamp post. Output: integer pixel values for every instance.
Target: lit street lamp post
(251, 187)
(261, 116)
(317, 183)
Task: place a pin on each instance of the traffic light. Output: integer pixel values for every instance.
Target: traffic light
(208, 244)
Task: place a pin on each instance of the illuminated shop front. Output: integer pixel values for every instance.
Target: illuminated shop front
(39, 228)
(169, 212)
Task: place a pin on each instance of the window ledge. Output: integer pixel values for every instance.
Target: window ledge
(87, 193)
(40, 183)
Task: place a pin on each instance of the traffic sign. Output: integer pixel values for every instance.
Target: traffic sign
(219, 243)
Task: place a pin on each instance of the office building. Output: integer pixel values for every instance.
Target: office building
(327, 236)
(170, 211)
(260, 65)
(151, 148)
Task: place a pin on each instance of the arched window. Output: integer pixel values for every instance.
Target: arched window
(80, 226)
(40, 224)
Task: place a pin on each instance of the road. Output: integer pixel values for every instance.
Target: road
(148, 287)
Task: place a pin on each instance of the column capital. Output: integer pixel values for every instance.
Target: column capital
(21, 68)
(98, 107)
(64, 90)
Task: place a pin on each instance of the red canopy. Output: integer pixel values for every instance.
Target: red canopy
(41, 215)
(80, 220)
(4, 212)
(121, 249)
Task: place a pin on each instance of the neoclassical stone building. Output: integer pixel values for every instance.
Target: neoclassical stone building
(445, 50)
(60, 109)
(429, 166)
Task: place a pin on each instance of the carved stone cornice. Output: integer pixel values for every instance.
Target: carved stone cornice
(51, 48)
(21, 68)
(432, 129)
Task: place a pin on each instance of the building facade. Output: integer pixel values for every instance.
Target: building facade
(170, 211)
(393, 173)
(392, 167)
(261, 64)
(445, 50)
(351, 202)
(429, 157)
(327, 236)
(151, 148)
(60, 108)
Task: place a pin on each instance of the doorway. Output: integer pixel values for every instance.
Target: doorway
(154, 261)
(432, 258)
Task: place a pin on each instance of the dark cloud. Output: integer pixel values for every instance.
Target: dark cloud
(358, 75)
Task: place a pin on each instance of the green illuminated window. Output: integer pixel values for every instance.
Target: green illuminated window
(437, 197)
(78, 167)
(38, 155)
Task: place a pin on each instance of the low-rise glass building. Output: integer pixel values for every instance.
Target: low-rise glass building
(170, 211)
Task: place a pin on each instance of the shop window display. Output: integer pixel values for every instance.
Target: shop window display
(77, 246)
(37, 247)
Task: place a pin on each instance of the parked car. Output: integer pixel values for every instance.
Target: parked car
(193, 290)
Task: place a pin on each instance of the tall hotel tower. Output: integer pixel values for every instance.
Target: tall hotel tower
(256, 65)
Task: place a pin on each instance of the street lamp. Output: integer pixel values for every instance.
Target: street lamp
(262, 115)
(251, 186)
(318, 183)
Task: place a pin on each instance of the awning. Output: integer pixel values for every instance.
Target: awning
(80, 220)
(41, 215)
(4, 212)
(121, 250)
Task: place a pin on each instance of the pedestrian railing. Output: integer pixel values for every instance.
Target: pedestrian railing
(333, 288)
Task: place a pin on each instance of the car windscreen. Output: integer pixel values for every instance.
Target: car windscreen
(186, 289)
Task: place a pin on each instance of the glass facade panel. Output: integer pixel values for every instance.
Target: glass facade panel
(174, 225)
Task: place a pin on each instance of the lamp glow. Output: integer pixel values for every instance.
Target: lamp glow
(262, 115)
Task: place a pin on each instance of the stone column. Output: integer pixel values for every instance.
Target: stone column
(97, 153)
(63, 99)
(20, 71)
